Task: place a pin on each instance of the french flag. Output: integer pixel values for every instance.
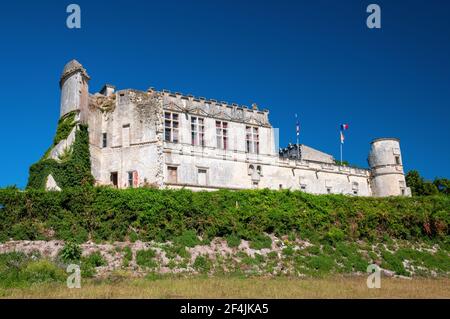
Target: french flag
(343, 128)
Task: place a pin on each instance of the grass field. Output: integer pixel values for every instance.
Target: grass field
(228, 287)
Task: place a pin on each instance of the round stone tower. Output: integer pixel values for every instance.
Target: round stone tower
(385, 161)
(74, 89)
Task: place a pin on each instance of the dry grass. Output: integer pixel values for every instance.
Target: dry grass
(222, 287)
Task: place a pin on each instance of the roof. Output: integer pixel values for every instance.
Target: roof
(72, 67)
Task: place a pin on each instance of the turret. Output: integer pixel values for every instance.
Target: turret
(74, 89)
(386, 165)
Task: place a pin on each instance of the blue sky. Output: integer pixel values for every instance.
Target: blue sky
(314, 58)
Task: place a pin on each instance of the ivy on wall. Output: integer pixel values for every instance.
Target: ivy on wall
(65, 126)
(105, 213)
(74, 167)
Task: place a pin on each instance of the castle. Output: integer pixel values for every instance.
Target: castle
(172, 140)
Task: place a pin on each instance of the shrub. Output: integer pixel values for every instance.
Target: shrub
(95, 259)
(334, 235)
(233, 240)
(104, 213)
(20, 270)
(127, 256)
(145, 258)
(202, 264)
(288, 251)
(393, 262)
(42, 271)
(260, 242)
(187, 239)
(71, 252)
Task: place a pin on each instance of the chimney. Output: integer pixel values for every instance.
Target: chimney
(108, 90)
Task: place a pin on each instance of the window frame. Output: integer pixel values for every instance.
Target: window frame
(222, 135)
(172, 127)
(104, 140)
(130, 179)
(169, 169)
(197, 131)
(252, 139)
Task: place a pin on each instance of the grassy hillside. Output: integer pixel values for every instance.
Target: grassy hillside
(138, 232)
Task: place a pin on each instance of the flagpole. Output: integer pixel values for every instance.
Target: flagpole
(341, 153)
(297, 134)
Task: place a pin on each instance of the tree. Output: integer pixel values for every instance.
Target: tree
(442, 185)
(420, 187)
(429, 189)
(415, 182)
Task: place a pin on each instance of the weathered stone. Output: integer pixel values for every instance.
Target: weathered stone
(128, 145)
(51, 184)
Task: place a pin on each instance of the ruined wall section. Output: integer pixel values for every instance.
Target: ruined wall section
(131, 123)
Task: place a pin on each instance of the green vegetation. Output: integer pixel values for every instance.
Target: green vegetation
(127, 256)
(65, 126)
(104, 213)
(260, 241)
(73, 167)
(233, 240)
(420, 187)
(89, 263)
(146, 258)
(20, 270)
(202, 264)
(71, 252)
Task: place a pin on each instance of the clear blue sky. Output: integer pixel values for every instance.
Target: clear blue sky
(314, 58)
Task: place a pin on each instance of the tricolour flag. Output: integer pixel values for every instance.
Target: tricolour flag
(343, 128)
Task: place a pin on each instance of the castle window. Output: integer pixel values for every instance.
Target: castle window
(130, 179)
(328, 190)
(252, 139)
(255, 184)
(397, 160)
(126, 135)
(202, 176)
(114, 179)
(104, 140)
(303, 187)
(198, 131)
(133, 179)
(172, 174)
(171, 127)
(222, 135)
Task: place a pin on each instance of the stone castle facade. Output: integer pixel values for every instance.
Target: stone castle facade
(170, 140)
